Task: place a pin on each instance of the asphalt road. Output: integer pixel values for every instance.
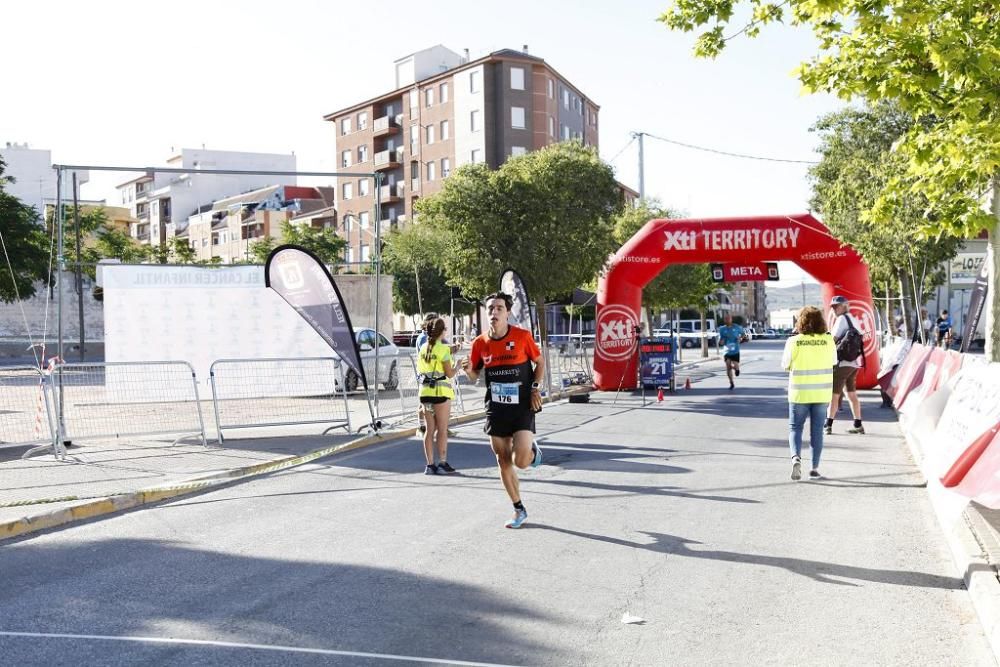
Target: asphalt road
(681, 514)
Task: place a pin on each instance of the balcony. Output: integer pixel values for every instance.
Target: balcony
(385, 126)
(391, 193)
(385, 160)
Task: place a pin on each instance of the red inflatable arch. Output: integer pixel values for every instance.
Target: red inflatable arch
(797, 238)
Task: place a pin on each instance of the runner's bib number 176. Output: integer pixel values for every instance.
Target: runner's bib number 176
(507, 393)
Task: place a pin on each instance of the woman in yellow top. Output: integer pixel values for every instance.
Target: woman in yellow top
(435, 371)
(809, 357)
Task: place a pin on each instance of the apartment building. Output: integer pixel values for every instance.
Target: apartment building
(748, 300)
(35, 179)
(446, 111)
(162, 203)
(226, 228)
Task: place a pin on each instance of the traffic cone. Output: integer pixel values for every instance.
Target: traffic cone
(687, 383)
(659, 395)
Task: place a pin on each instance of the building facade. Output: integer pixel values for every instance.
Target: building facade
(447, 111)
(162, 203)
(35, 179)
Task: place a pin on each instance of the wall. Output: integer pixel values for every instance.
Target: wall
(12, 320)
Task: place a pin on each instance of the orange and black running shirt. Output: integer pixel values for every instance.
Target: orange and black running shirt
(508, 368)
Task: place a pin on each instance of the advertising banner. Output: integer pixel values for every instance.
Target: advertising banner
(301, 279)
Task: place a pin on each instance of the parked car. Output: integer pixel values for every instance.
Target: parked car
(405, 338)
(388, 362)
(770, 334)
(689, 333)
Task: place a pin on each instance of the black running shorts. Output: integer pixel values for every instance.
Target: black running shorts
(505, 424)
(735, 356)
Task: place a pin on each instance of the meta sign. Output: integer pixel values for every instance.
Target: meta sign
(734, 273)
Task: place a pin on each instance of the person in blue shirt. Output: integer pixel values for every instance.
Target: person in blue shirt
(944, 330)
(730, 335)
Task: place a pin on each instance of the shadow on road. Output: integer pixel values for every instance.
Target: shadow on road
(820, 571)
(161, 588)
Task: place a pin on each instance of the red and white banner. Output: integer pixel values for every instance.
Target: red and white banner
(910, 373)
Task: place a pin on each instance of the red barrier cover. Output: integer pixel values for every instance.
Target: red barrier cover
(928, 383)
(968, 424)
(982, 482)
(910, 373)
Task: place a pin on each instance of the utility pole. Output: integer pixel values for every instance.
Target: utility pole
(642, 166)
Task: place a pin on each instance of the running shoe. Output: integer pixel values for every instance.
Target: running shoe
(731, 385)
(796, 469)
(828, 430)
(857, 430)
(537, 461)
(431, 470)
(737, 372)
(452, 434)
(520, 516)
(446, 468)
(815, 474)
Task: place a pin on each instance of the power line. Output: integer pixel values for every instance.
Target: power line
(727, 153)
(624, 148)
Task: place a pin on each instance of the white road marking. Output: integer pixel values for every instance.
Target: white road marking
(256, 647)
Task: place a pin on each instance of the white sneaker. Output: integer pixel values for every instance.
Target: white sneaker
(796, 469)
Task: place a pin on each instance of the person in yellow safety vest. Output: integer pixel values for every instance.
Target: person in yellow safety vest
(809, 357)
(435, 371)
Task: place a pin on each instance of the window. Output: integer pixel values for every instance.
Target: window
(517, 117)
(477, 156)
(474, 120)
(517, 150)
(365, 254)
(363, 185)
(430, 170)
(552, 89)
(429, 97)
(444, 93)
(363, 153)
(414, 176)
(517, 78)
(552, 127)
(445, 167)
(565, 133)
(429, 130)
(204, 243)
(565, 98)
(345, 126)
(363, 220)
(363, 120)
(414, 103)
(345, 159)
(445, 130)
(348, 223)
(414, 139)
(474, 81)
(349, 255)
(348, 190)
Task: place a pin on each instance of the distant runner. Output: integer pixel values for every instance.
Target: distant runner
(730, 335)
(514, 371)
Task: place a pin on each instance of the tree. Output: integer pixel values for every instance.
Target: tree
(857, 163)
(547, 214)
(101, 240)
(323, 241)
(413, 258)
(940, 60)
(260, 250)
(25, 246)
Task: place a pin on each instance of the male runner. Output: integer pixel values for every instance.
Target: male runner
(730, 335)
(507, 354)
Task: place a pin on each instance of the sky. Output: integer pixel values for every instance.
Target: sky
(121, 83)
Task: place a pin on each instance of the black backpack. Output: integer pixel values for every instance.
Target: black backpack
(851, 345)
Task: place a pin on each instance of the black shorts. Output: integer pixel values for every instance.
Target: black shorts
(433, 400)
(735, 356)
(506, 424)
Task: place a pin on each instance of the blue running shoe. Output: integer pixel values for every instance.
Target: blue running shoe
(519, 518)
(537, 461)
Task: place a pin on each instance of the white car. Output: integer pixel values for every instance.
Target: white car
(388, 362)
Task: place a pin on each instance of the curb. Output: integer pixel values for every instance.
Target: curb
(971, 564)
(125, 501)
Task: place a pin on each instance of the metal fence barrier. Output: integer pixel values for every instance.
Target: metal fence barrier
(399, 403)
(279, 392)
(26, 415)
(126, 399)
(571, 363)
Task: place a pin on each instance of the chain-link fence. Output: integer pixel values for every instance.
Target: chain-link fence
(279, 392)
(127, 399)
(570, 359)
(26, 415)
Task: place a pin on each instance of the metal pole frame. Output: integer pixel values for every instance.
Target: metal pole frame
(376, 176)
